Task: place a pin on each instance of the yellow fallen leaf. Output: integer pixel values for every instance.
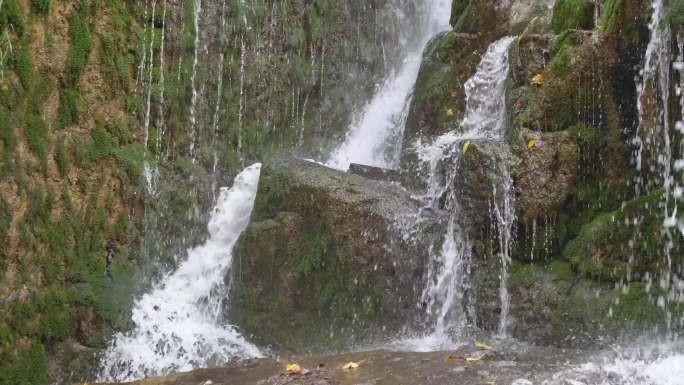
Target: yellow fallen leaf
(351, 365)
(451, 359)
(482, 346)
(466, 146)
(293, 369)
(539, 78)
(531, 143)
(491, 382)
(476, 357)
(450, 112)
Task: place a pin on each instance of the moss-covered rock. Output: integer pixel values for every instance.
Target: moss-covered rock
(552, 305)
(438, 101)
(324, 263)
(624, 244)
(676, 15)
(572, 14)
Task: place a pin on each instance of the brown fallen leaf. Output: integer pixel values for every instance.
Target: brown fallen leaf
(455, 94)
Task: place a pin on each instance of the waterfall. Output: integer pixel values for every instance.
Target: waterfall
(383, 118)
(653, 155)
(448, 271)
(179, 325)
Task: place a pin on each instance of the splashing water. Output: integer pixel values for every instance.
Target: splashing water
(650, 364)
(179, 325)
(653, 156)
(448, 272)
(369, 140)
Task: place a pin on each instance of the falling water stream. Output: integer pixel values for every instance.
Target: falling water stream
(370, 139)
(179, 325)
(448, 271)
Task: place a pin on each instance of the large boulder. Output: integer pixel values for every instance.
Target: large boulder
(329, 259)
(545, 174)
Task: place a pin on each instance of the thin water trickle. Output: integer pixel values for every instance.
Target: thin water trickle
(196, 12)
(148, 170)
(179, 324)
(161, 126)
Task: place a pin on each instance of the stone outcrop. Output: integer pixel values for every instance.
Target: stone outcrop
(329, 259)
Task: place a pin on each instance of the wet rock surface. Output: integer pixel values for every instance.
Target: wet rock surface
(466, 366)
(329, 259)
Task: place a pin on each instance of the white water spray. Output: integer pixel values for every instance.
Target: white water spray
(179, 324)
(449, 269)
(384, 117)
(647, 364)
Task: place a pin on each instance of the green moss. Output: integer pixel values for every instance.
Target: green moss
(572, 14)
(560, 64)
(457, 9)
(54, 315)
(5, 222)
(610, 13)
(131, 157)
(604, 246)
(81, 45)
(522, 274)
(634, 306)
(274, 186)
(311, 254)
(23, 66)
(10, 17)
(115, 62)
(22, 362)
(562, 269)
(62, 158)
(7, 137)
(40, 6)
(36, 133)
(103, 144)
(68, 113)
(677, 14)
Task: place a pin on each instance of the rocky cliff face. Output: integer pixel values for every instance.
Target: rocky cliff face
(70, 161)
(580, 227)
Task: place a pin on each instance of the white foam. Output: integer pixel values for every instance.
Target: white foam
(179, 324)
